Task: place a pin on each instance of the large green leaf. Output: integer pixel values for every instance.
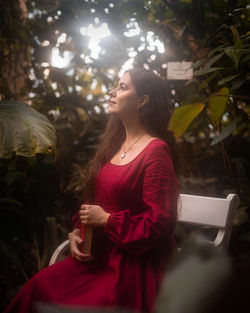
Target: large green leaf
(183, 116)
(24, 131)
(217, 104)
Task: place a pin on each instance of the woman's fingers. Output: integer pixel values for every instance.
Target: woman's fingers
(75, 241)
(83, 214)
(85, 258)
(82, 257)
(93, 215)
(84, 209)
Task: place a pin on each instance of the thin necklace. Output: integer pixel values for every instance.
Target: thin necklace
(124, 152)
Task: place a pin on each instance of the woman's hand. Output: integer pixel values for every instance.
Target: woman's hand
(93, 215)
(75, 242)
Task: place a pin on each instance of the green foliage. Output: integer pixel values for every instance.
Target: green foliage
(183, 116)
(28, 194)
(217, 104)
(225, 132)
(222, 59)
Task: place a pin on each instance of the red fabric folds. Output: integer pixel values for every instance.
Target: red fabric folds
(131, 252)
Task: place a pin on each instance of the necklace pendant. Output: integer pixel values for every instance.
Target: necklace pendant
(123, 155)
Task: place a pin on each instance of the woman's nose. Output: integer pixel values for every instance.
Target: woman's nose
(112, 93)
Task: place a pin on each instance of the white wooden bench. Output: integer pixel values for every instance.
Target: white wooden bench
(194, 210)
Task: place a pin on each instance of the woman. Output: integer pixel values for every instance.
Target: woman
(132, 192)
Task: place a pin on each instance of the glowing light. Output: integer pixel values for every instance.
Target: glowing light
(154, 42)
(151, 48)
(54, 85)
(95, 34)
(45, 43)
(160, 46)
(150, 42)
(46, 73)
(103, 88)
(141, 47)
(89, 97)
(97, 109)
(54, 113)
(32, 75)
(61, 38)
(134, 29)
(132, 54)
(58, 61)
(44, 64)
(93, 84)
(78, 88)
(95, 48)
(126, 66)
(32, 94)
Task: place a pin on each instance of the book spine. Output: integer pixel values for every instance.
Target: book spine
(86, 236)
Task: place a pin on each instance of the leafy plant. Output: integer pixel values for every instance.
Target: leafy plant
(24, 131)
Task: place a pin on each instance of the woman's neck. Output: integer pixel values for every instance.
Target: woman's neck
(133, 130)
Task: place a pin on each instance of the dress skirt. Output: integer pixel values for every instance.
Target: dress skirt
(130, 253)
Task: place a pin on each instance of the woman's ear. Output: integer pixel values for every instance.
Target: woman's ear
(143, 101)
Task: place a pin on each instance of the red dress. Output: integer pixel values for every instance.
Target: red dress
(130, 253)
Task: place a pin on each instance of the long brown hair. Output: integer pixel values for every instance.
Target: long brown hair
(154, 116)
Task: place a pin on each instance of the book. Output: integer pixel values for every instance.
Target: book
(86, 236)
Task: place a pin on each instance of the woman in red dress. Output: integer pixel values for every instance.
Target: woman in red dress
(132, 207)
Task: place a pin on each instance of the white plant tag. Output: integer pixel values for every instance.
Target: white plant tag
(180, 70)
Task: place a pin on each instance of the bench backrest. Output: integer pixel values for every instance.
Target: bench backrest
(209, 211)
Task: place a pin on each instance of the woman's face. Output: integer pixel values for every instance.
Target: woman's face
(123, 99)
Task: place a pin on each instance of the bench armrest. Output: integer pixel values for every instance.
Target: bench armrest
(59, 252)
